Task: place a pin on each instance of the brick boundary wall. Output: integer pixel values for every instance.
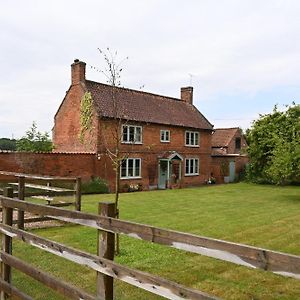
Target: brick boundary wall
(84, 165)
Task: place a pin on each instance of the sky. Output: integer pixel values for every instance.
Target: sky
(241, 57)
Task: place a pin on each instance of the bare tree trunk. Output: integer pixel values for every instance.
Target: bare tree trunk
(117, 250)
(117, 187)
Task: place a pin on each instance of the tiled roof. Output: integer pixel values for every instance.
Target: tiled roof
(222, 136)
(140, 106)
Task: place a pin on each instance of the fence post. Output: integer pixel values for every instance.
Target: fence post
(78, 194)
(106, 249)
(21, 196)
(7, 219)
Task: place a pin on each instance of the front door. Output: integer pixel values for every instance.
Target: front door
(163, 174)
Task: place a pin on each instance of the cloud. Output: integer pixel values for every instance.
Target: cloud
(236, 50)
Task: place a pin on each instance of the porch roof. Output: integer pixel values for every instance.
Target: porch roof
(170, 155)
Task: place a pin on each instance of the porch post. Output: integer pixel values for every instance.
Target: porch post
(168, 174)
(180, 166)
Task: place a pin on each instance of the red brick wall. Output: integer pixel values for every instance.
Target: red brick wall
(55, 164)
(66, 130)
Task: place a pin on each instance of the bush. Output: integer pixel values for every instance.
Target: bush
(95, 186)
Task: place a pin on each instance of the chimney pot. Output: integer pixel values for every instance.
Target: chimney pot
(187, 94)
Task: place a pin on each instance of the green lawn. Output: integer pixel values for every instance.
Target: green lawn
(263, 216)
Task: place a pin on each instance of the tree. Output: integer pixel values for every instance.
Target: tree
(35, 141)
(111, 136)
(8, 144)
(274, 147)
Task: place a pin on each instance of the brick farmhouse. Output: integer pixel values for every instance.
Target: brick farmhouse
(166, 141)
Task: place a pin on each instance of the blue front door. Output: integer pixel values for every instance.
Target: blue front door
(163, 174)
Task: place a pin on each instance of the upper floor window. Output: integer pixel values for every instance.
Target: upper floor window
(192, 138)
(131, 168)
(165, 136)
(191, 166)
(238, 143)
(131, 134)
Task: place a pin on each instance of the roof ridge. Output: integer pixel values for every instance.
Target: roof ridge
(140, 92)
(226, 128)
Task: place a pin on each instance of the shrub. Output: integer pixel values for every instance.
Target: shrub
(95, 186)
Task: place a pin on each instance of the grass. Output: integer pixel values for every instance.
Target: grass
(263, 216)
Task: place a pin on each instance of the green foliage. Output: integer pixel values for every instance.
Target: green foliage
(8, 144)
(35, 141)
(274, 147)
(95, 186)
(86, 115)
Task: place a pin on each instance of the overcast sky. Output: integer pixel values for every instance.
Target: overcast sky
(244, 56)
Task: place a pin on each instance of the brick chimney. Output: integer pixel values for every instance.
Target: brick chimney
(187, 94)
(78, 71)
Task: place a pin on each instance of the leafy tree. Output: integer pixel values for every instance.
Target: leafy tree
(35, 141)
(274, 147)
(8, 144)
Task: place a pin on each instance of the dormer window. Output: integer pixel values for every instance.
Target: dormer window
(192, 138)
(165, 136)
(131, 134)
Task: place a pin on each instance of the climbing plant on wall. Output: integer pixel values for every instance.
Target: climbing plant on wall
(86, 115)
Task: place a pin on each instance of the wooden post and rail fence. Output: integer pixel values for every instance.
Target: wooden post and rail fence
(44, 190)
(108, 270)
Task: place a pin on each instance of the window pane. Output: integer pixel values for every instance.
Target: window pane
(162, 135)
(196, 138)
(137, 167)
(123, 169)
(130, 167)
(196, 165)
(192, 141)
(125, 134)
(187, 166)
(187, 138)
(167, 137)
(238, 143)
(131, 133)
(138, 135)
(192, 166)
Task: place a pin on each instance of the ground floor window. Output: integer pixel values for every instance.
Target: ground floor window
(131, 168)
(191, 166)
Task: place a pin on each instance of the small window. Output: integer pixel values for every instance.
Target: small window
(192, 138)
(191, 166)
(131, 168)
(165, 136)
(131, 134)
(238, 143)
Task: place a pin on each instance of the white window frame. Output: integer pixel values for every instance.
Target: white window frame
(190, 133)
(134, 163)
(191, 161)
(163, 136)
(127, 126)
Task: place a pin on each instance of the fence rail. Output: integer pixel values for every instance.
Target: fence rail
(106, 268)
(44, 191)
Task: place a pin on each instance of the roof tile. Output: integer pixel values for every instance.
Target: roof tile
(145, 107)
